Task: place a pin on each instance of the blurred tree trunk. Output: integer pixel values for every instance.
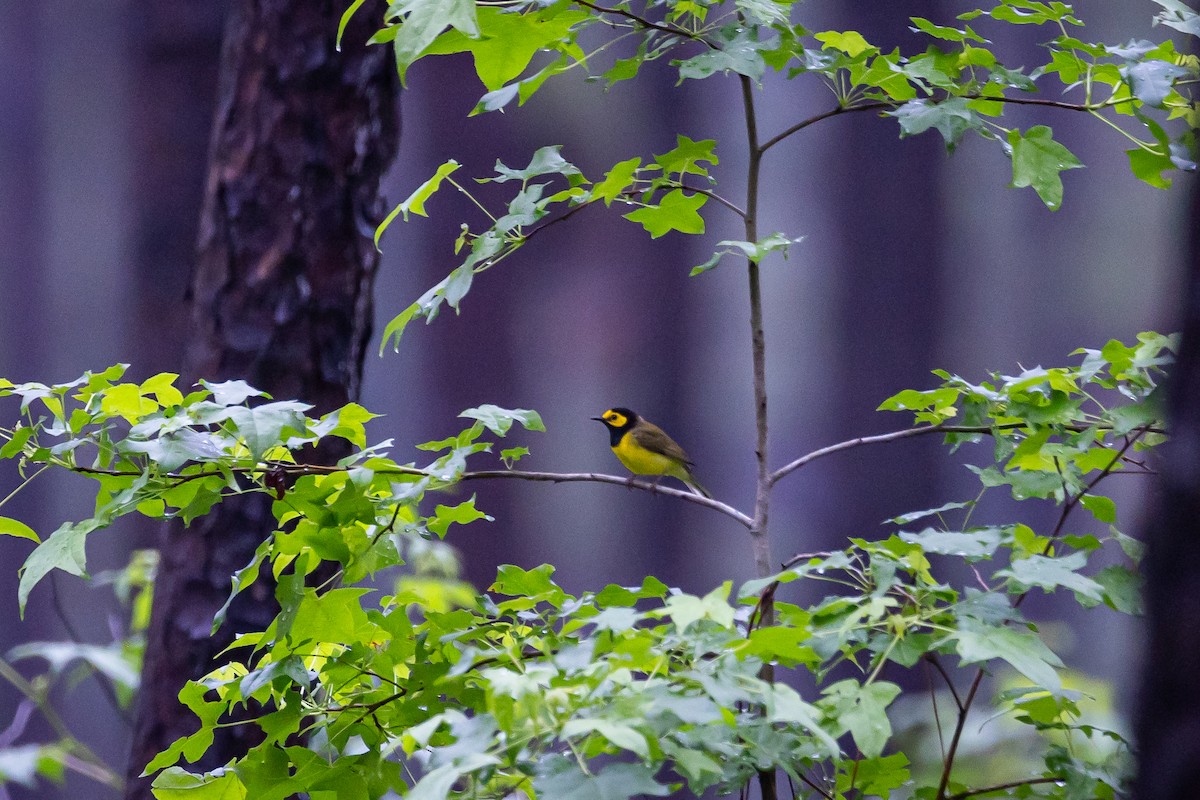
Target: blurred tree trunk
(281, 298)
(1168, 723)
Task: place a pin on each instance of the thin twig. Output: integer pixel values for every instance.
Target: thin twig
(727, 203)
(801, 125)
(297, 470)
(645, 23)
(883, 104)
(1002, 786)
(1073, 501)
(816, 788)
(763, 561)
(964, 709)
(102, 681)
(921, 430)
(931, 658)
(595, 477)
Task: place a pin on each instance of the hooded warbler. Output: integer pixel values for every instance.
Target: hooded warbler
(645, 449)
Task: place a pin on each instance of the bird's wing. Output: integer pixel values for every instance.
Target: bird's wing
(652, 437)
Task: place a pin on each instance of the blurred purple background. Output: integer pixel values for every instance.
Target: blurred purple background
(913, 260)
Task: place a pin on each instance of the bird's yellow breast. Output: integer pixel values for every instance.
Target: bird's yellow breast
(641, 461)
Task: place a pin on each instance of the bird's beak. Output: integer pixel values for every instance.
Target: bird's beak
(598, 419)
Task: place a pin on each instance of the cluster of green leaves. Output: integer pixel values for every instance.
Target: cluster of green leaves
(160, 453)
(409, 681)
(957, 84)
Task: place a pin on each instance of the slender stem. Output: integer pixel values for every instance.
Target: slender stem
(920, 430)
(932, 658)
(23, 484)
(1090, 108)
(728, 204)
(957, 737)
(1072, 501)
(78, 756)
(593, 477)
(802, 124)
(764, 563)
(645, 23)
(1001, 787)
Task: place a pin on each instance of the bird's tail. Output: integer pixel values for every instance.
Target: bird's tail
(691, 483)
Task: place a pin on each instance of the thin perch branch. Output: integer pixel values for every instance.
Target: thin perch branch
(595, 477)
(920, 430)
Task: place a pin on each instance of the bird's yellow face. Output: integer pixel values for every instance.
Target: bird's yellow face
(614, 418)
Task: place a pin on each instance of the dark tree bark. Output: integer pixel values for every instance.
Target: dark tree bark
(281, 297)
(1168, 722)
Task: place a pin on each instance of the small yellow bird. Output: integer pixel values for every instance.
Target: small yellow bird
(645, 449)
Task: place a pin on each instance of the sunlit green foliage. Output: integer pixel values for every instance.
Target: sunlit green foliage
(410, 681)
(946, 78)
(396, 677)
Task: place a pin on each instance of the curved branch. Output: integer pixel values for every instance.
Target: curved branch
(799, 126)
(921, 430)
(297, 470)
(957, 736)
(645, 23)
(884, 104)
(1002, 786)
(616, 480)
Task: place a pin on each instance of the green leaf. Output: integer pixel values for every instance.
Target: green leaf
(1152, 80)
(263, 427)
(1149, 165)
(1102, 508)
(63, 549)
(616, 181)
(1020, 647)
(1178, 15)
(948, 34)
(851, 43)
(176, 783)
(507, 41)
(686, 157)
(546, 161)
(676, 212)
(463, 513)
(559, 777)
(873, 776)
(913, 516)
(1122, 589)
(623, 736)
(499, 420)
(395, 328)
(862, 710)
(1037, 161)
(415, 203)
(1051, 573)
(423, 21)
(16, 444)
(972, 545)
(951, 117)
(737, 49)
(535, 584)
(12, 527)
(686, 609)
(231, 393)
(335, 616)
(109, 661)
(753, 251)
(511, 455)
(345, 20)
